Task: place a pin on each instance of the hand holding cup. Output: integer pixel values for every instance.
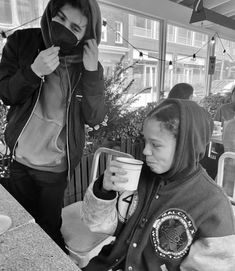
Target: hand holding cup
(114, 176)
(122, 174)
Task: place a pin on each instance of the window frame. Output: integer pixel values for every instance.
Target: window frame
(119, 33)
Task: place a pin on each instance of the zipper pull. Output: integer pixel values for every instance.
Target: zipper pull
(43, 78)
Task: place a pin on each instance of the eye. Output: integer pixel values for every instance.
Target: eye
(75, 28)
(60, 16)
(156, 145)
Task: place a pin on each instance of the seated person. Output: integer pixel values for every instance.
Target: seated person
(226, 111)
(178, 219)
(181, 91)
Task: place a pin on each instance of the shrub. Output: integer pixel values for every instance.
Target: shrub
(122, 120)
(212, 102)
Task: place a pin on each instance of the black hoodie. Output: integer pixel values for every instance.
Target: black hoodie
(20, 86)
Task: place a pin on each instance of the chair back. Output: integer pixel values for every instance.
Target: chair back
(81, 243)
(110, 154)
(226, 178)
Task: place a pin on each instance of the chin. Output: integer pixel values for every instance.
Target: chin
(155, 170)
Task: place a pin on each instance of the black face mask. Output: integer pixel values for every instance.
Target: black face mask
(63, 37)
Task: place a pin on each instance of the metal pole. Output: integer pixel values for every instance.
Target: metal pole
(162, 55)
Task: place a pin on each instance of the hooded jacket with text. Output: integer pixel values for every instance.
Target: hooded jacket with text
(179, 220)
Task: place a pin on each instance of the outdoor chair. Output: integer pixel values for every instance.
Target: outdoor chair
(81, 243)
(226, 175)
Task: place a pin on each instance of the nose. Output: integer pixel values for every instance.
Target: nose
(147, 150)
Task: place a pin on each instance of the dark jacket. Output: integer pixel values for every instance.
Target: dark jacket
(179, 220)
(20, 87)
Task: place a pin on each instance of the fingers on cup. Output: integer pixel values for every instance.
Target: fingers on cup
(117, 182)
(116, 168)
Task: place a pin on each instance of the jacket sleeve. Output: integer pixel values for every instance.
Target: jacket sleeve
(214, 248)
(17, 82)
(100, 215)
(93, 104)
(211, 254)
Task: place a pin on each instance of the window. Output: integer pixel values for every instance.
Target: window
(5, 12)
(171, 33)
(199, 39)
(140, 22)
(119, 32)
(144, 27)
(185, 68)
(104, 31)
(183, 36)
(28, 10)
(142, 70)
(223, 78)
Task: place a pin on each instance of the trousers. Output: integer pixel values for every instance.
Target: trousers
(41, 193)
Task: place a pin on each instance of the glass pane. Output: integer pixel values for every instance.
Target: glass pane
(142, 35)
(16, 14)
(28, 10)
(224, 77)
(118, 28)
(145, 27)
(5, 12)
(182, 44)
(139, 22)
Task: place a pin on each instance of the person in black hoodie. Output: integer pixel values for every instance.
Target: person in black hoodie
(52, 81)
(178, 219)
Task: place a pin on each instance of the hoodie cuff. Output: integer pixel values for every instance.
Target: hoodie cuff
(101, 193)
(30, 76)
(91, 75)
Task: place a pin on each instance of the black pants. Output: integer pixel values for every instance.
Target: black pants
(41, 193)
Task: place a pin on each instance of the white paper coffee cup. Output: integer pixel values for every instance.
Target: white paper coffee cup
(133, 168)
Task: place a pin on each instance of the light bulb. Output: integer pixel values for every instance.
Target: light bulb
(170, 65)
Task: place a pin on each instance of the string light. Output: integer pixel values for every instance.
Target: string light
(170, 65)
(141, 54)
(159, 59)
(4, 37)
(104, 23)
(225, 51)
(3, 34)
